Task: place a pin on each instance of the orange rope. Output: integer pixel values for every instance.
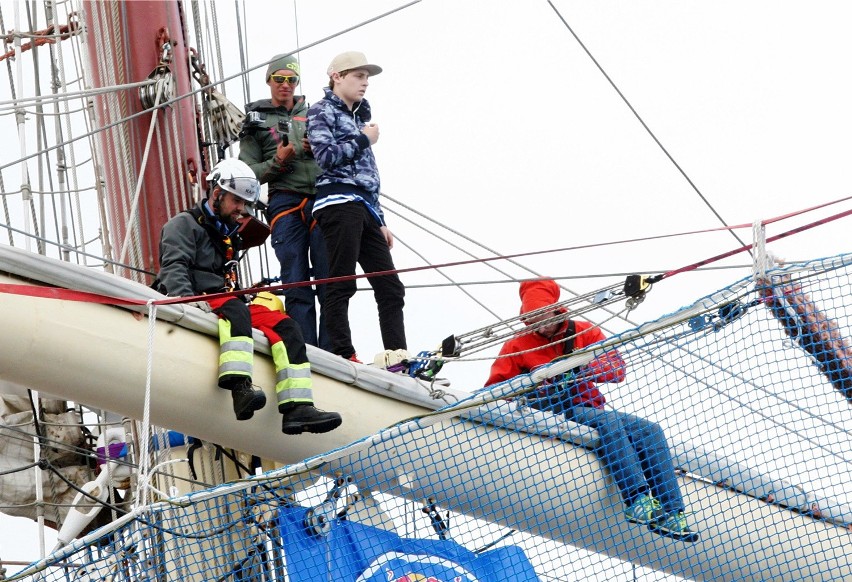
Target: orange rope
(65, 32)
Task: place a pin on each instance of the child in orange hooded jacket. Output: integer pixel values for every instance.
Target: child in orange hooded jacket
(632, 449)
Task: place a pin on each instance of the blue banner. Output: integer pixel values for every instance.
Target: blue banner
(353, 552)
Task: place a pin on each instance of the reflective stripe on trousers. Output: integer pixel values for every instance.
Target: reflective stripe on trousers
(236, 354)
(292, 381)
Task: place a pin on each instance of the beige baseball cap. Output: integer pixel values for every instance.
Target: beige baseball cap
(352, 60)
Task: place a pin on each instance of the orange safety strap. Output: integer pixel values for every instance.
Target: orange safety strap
(301, 206)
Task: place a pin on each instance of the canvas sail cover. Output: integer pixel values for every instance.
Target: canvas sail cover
(17, 474)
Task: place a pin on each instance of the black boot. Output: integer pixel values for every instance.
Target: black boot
(305, 417)
(247, 399)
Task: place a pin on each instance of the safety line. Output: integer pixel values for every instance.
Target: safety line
(629, 240)
(71, 295)
(749, 246)
(143, 468)
(68, 96)
(805, 210)
(66, 294)
(134, 204)
(450, 279)
(76, 250)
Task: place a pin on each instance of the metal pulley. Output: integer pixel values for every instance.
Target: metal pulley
(226, 119)
(318, 519)
(163, 81)
(163, 85)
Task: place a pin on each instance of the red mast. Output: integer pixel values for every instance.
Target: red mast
(148, 172)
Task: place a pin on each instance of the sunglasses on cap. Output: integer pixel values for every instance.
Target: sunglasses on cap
(291, 79)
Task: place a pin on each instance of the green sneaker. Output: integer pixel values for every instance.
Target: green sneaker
(674, 526)
(644, 511)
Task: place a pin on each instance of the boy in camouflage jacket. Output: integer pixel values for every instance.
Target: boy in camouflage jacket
(347, 206)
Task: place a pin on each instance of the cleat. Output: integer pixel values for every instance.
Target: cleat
(247, 399)
(307, 418)
(674, 526)
(644, 511)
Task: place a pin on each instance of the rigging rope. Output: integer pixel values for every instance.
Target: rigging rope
(191, 93)
(76, 250)
(144, 473)
(117, 108)
(455, 232)
(480, 340)
(638, 117)
(70, 95)
(58, 77)
(584, 276)
(243, 44)
(134, 205)
(448, 278)
(516, 263)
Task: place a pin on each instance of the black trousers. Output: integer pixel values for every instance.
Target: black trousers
(352, 236)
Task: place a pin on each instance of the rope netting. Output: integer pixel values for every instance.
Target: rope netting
(749, 385)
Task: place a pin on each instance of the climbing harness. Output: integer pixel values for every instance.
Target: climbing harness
(300, 209)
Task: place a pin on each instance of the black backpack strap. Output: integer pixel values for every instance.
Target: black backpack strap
(570, 332)
(214, 234)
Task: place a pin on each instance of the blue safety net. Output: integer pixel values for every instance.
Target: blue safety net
(736, 415)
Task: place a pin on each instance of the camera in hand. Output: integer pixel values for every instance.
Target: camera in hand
(254, 121)
(283, 131)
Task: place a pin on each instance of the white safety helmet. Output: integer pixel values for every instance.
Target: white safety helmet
(236, 177)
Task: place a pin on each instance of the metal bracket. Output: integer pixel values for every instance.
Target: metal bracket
(441, 525)
(318, 519)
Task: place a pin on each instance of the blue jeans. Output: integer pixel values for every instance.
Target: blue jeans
(300, 250)
(635, 453)
(632, 449)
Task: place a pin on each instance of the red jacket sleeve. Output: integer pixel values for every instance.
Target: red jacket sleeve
(609, 367)
(504, 368)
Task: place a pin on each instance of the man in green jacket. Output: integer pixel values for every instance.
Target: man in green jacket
(274, 144)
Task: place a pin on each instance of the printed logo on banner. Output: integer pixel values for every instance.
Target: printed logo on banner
(399, 567)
